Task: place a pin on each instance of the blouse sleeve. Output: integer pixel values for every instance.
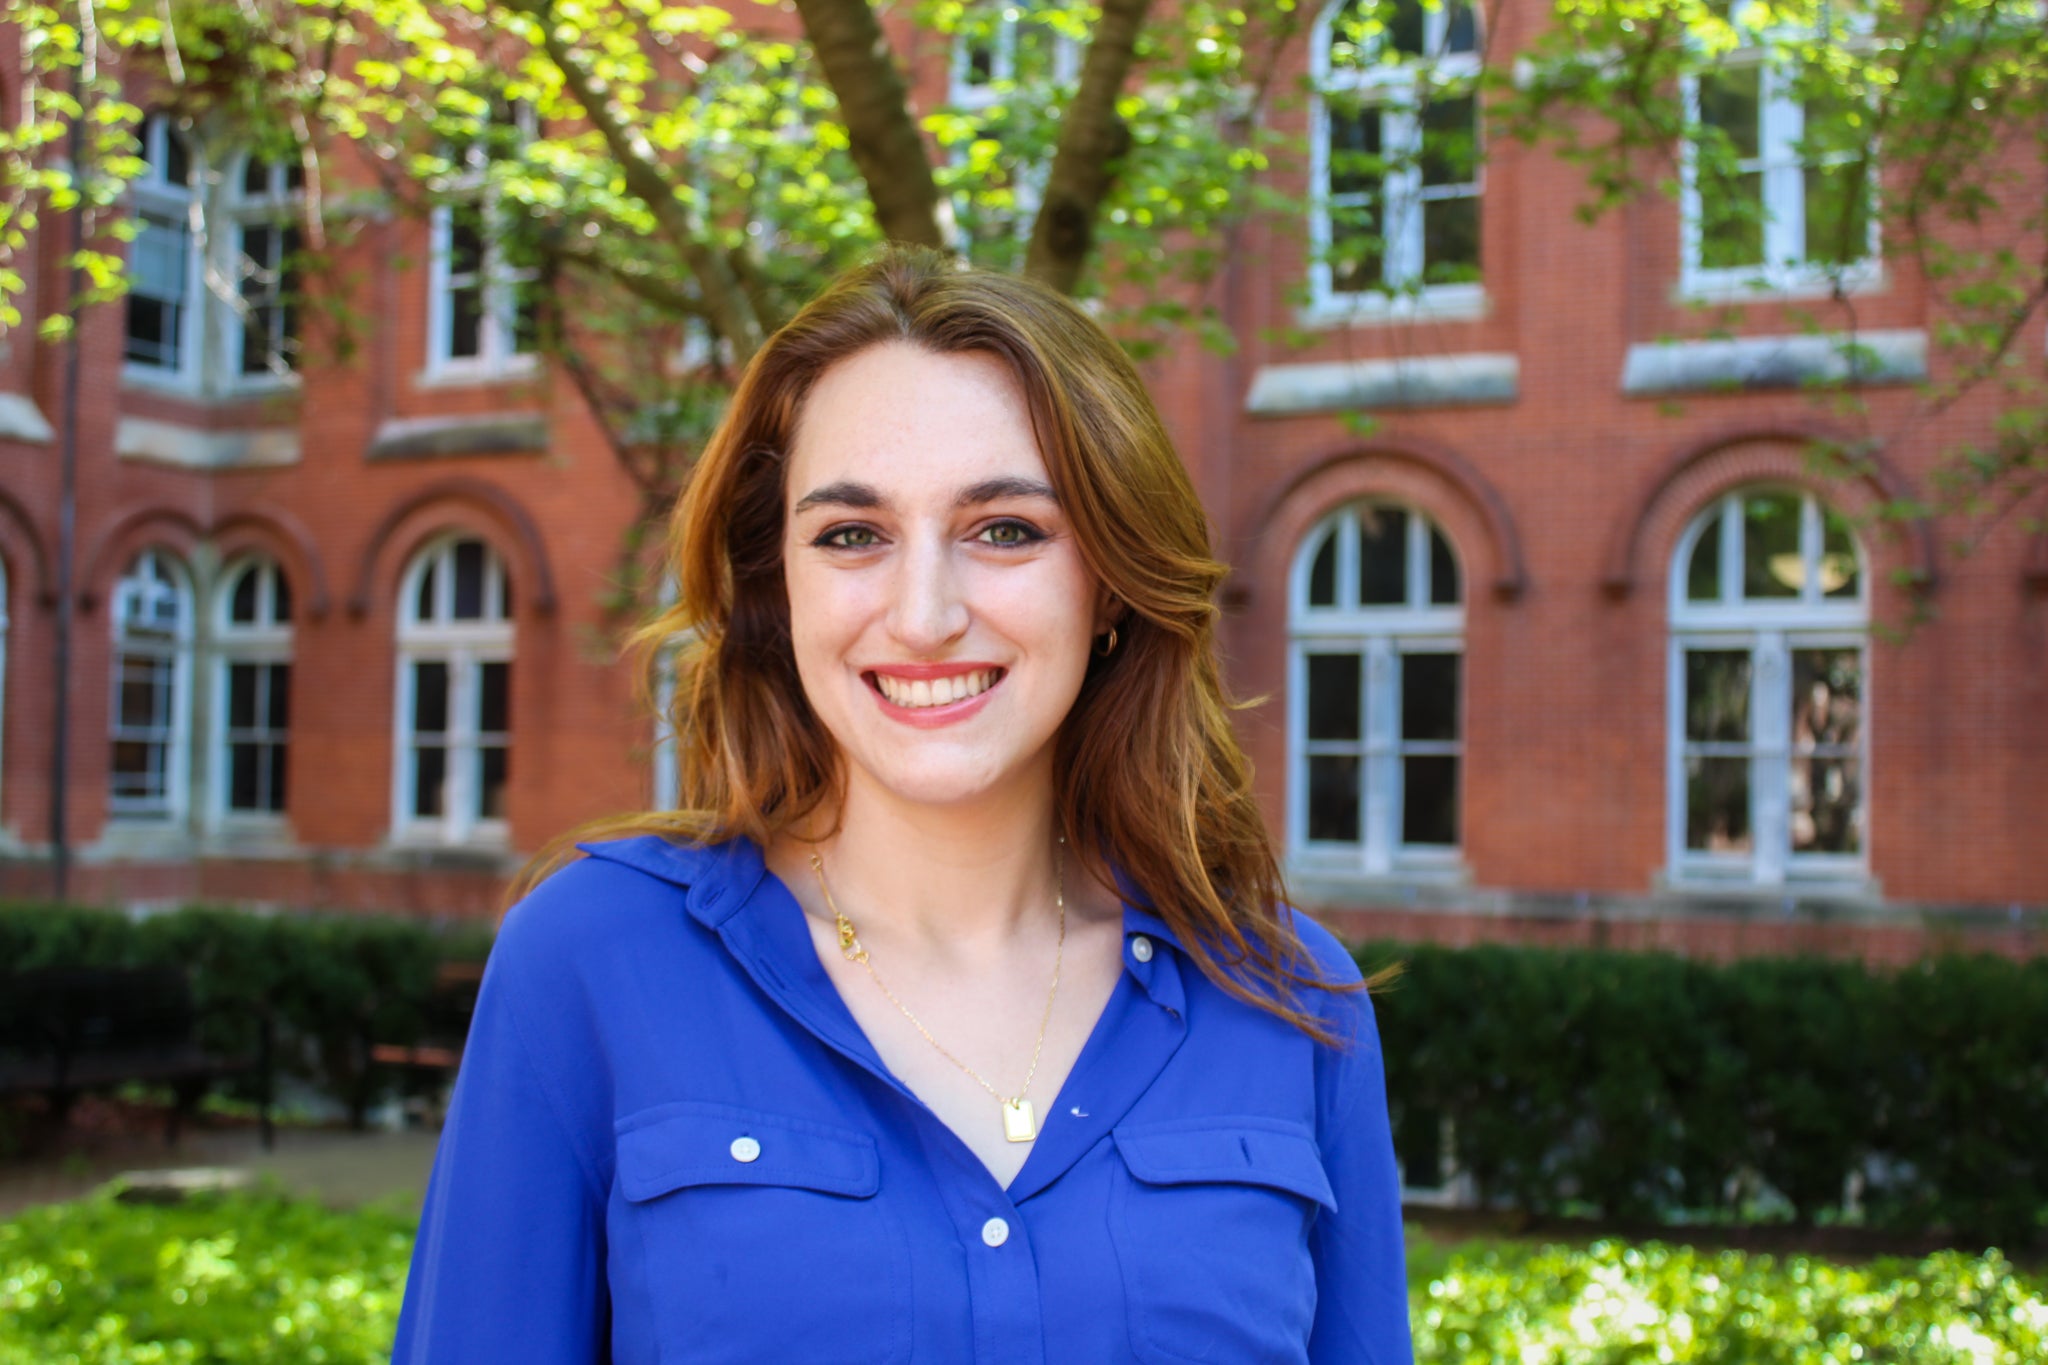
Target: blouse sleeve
(510, 1265)
(1361, 1280)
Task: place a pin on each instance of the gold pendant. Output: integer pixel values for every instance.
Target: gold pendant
(1020, 1120)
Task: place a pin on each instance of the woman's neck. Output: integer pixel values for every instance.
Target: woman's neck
(957, 876)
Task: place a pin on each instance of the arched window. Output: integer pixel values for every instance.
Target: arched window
(152, 621)
(1375, 685)
(252, 689)
(1396, 156)
(1769, 622)
(454, 695)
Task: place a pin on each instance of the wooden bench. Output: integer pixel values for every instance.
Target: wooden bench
(430, 1062)
(68, 1031)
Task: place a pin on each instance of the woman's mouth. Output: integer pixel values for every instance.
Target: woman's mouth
(923, 694)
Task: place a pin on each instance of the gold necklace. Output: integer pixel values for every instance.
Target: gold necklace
(1020, 1119)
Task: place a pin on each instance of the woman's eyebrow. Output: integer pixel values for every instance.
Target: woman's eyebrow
(995, 490)
(844, 493)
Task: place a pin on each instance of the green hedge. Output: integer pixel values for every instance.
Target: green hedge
(327, 985)
(1646, 1086)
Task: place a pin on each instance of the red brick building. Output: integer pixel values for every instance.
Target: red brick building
(1575, 645)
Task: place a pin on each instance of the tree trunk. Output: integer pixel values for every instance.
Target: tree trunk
(1093, 141)
(875, 104)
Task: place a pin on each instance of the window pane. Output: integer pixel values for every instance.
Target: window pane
(1461, 29)
(255, 177)
(1717, 805)
(430, 698)
(177, 157)
(1827, 698)
(1404, 25)
(280, 599)
(1826, 802)
(1357, 250)
(241, 696)
(469, 580)
(494, 708)
(424, 606)
(1450, 240)
(1730, 102)
(1429, 696)
(1322, 574)
(1450, 141)
(1703, 575)
(144, 702)
(465, 321)
(1429, 799)
(1333, 797)
(1382, 556)
(1731, 220)
(245, 768)
(1444, 589)
(491, 789)
(1838, 569)
(1837, 214)
(430, 777)
(275, 796)
(138, 769)
(242, 606)
(465, 243)
(1717, 695)
(277, 712)
(1333, 696)
(1771, 562)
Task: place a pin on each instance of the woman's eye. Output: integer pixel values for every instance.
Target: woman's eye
(849, 538)
(1010, 533)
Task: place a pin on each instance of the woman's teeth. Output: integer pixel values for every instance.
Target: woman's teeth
(921, 692)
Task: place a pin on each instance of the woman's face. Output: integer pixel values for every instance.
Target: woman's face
(939, 608)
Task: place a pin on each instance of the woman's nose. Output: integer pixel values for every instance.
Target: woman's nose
(930, 608)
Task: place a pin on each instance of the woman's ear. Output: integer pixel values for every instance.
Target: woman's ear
(1109, 610)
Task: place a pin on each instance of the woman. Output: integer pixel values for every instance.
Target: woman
(955, 1017)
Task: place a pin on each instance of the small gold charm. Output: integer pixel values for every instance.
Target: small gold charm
(1020, 1120)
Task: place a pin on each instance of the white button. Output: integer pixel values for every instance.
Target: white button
(745, 1149)
(1141, 948)
(995, 1232)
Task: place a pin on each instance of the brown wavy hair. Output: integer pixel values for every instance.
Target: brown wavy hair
(1149, 773)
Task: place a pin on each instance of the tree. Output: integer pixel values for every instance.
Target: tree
(668, 182)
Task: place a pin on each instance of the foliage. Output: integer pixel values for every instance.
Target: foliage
(1612, 1303)
(1644, 1086)
(326, 986)
(260, 1278)
(1924, 115)
(213, 1280)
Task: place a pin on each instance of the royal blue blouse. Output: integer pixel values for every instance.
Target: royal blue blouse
(670, 1142)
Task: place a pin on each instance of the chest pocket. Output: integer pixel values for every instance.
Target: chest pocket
(763, 1238)
(1210, 1219)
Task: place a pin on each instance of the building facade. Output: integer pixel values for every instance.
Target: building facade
(1570, 641)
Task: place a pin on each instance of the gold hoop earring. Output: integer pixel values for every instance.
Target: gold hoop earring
(1106, 646)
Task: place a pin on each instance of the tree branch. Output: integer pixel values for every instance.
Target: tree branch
(648, 180)
(874, 103)
(1093, 140)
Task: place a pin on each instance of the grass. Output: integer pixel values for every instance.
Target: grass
(265, 1278)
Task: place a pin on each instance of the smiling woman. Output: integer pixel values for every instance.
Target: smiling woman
(956, 1014)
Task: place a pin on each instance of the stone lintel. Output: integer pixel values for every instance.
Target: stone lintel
(431, 438)
(1428, 381)
(155, 442)
(1749, 364)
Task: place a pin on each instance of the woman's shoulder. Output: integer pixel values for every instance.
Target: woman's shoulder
(616, 899)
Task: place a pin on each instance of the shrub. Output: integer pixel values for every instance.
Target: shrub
(1644, 1086)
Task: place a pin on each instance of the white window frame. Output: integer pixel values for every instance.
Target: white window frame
(153, 193)
(155, 586)
(266, 641)
(464, 646)
(1395, 88)
(1770, 630)
(1781, 124)
(1381, 636)
(498, 356)
(277, 208)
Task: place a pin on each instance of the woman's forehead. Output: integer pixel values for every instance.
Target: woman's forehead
(904, 421)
